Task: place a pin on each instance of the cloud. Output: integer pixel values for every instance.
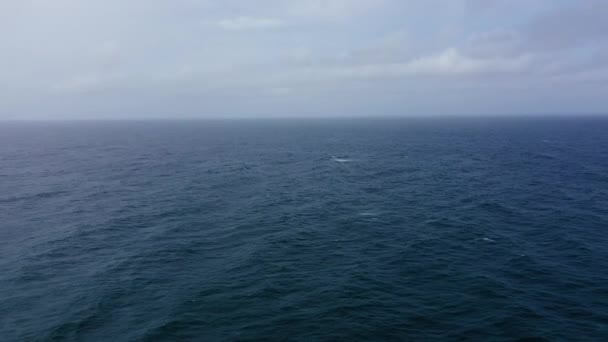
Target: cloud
(576, 25)
(392, 47)
(332, 8)
(279, 91)
(198, 53)
(495, 43)
(448, 63)
(85, 83)
(250, 23)
(451, 61)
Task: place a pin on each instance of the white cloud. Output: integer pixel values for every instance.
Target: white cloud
(451, 61)
(333, 8)
(250, 23)
(447, 63)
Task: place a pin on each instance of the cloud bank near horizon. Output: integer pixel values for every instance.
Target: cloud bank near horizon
(235, 58)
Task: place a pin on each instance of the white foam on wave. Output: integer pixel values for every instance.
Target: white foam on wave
(341, 160)
(486, 239)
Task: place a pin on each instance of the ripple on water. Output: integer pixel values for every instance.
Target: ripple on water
(225, 232)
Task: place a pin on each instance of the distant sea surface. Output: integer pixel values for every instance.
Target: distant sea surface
(303, 230)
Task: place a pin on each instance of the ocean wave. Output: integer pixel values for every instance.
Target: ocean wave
(342, 160)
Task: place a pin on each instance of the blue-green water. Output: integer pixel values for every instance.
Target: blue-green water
(362, 230)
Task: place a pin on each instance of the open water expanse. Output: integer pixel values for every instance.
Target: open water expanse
(304, 230)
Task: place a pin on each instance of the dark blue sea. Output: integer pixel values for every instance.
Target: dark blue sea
(305, 230)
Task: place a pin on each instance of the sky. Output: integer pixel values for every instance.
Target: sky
(138, 59)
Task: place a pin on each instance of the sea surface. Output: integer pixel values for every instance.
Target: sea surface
(305, 230)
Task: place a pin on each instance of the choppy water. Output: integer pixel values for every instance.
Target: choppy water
(404, 230)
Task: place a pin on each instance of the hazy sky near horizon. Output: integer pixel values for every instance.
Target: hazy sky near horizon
(321, 58)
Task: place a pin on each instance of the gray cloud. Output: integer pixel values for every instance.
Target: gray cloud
(578, 24)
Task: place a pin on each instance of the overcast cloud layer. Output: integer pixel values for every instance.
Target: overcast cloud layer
(321, 58)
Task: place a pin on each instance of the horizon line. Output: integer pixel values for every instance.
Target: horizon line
(315, 118)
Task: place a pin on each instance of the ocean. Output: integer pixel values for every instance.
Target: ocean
(452, 229)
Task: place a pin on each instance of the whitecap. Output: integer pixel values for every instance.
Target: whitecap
(341, 160)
